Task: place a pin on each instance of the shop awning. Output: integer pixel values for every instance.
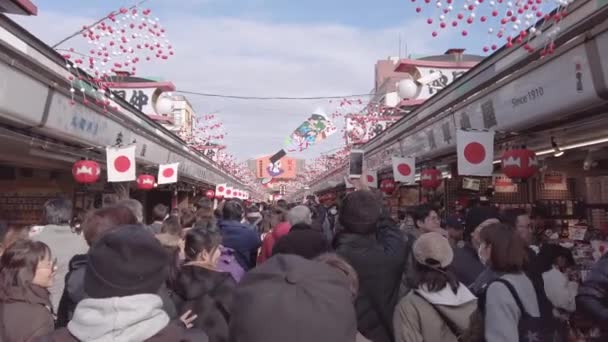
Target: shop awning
(23, 7)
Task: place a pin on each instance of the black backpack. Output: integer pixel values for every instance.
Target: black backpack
(545, 328)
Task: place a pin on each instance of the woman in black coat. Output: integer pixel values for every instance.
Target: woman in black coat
(203, 289)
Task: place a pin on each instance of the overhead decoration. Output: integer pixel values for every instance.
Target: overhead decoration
(146, 182)
(120, 162)
(519, 163)
(475, 153)
(388, 186)
(86, 171)
(210, 194)
(372, 179)
(206, 135)
(315, 129)
(404, 169)
(430, 178)
(167, 173)
(118, 44)
(362, 128)
(506, 22)
(220, 191)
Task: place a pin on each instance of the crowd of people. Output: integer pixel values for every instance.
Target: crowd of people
(243, 272)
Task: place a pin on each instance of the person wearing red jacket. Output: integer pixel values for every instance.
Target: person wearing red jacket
(299, 214)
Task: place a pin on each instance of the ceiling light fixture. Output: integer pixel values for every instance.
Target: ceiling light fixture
(557, 152)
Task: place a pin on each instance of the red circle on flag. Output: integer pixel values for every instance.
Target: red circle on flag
(122, 164)
(228, 191)
(220, 189)
(474, 153)
(404, 169)
(370, 179)
(168, 172)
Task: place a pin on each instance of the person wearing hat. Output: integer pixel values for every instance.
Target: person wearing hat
(374, 247)
(125, 269)
(289, 298)
(439, 307)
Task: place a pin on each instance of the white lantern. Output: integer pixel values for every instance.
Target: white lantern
(164, 106)
(407, 89)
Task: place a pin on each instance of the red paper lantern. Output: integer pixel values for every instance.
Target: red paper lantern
(219, 197)
(86, 171)
(146, 182)
(210, 194)
(430, 178)
(519, 163)
(388, 186)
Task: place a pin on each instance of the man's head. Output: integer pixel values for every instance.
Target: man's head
(520, 220)
(360, 212)
(98, 222)
(136, 208)
(160, 212)
(299, 214)
(282, 204)
(426, 218)
(455, 228)
(204, 203)
(479, 216)
(232, 211)
(58, 211)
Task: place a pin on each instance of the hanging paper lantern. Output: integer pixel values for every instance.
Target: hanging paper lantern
(430, 178)
(219, 196)
(519, 163)
(210, 194)
(145, 182)
(388, 186)
(86, 171)
(164, 106)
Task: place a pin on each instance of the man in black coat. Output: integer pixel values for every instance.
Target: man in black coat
(373, 245)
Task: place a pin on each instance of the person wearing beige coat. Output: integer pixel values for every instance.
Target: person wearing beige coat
(438, 309)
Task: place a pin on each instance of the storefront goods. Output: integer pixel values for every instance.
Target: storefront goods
(430, 178)
(86, 171)
(145, 182)
(519, 163)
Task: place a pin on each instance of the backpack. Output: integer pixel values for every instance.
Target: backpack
(545, 328)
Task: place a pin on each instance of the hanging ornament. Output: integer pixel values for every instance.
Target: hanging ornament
(388, 186)
(519, 163)
(210, 194)
(146, 182)
(430, 178)
(86, 171)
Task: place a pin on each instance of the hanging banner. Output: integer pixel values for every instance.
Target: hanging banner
(475, 153)
(220, 190)
(362, 128)
(404, 169)
(372, 179)
(121, 164)
(314, 130)
(555, 180)
(167, 173)
(284, 168)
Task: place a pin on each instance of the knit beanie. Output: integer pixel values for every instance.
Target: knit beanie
(360, 212)
(311, 301)
(125, 261)
(305, 243)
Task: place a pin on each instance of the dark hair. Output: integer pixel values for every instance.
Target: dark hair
(58, 211)
(300, 226)
(548, 254)
(509, 251)
(159, 212)
(205, 203)
(433, 279)
(203, 237)
(233, 211)
(171, 226)
(187, 218)
(421, 212)
(18, 264)
(98, 222)
(509, 216)
(282, 204)
(339, 263)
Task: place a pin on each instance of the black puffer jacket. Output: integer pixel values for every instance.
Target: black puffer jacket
(209, 295)
(592, 296)
(379, 261)
(73, 292)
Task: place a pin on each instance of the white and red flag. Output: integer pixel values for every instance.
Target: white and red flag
(121, 163)
(167, 173)
(220, 190)
(404, 169)
(475, 153)
(372, 179)
(229, 192)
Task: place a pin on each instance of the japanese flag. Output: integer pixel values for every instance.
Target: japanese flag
(121, 164)
(229, 192)
(475, 153)
(167, 173)
(220, 190)
(404, 169)
(372, 179)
